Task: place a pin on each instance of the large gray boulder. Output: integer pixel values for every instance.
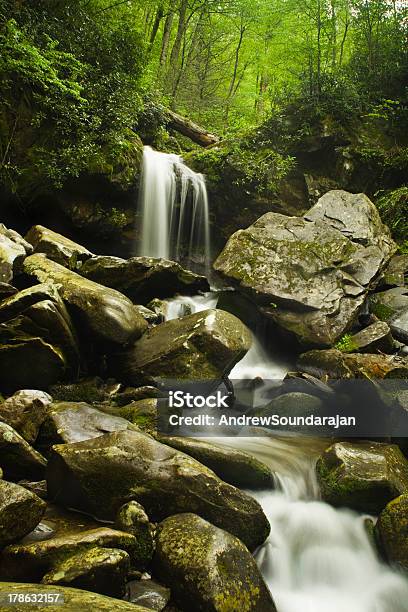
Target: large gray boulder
(20, 512)
(203, 345)
(57, 247)
(102, 474)
(143, 278)
(13, 250)
(312, 274)
(208, 569)
(364, 476)
(104, 313)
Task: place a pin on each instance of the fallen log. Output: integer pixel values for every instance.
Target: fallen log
(190, 129)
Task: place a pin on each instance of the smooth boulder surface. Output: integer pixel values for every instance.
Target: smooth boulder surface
(203, 345)
(207, 568)
(143, 278)
(104, 312)
(13, 250)
(363, 476)
(74, 599)
(148, 593)
(102, 474)
(57, 247)
(133, 519)
(391, 532)
(18, 459)
(20, 512)
(25, 411)
(335, 364)
(232, 465)
(311, 275)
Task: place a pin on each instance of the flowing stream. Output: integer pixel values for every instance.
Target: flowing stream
(317, 558)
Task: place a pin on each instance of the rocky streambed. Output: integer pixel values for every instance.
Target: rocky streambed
(96, 504)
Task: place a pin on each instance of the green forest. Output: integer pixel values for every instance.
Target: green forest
(204, 305)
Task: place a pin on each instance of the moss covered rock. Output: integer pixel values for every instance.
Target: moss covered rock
(232, 465)
(392, 532)
(364, 476)
(20, 512)
(13, 250)
(17, 458)
(204, 345)
(102, 474)
(104, 312)
(311, 275)
(208, 569)
(57, 247)
(133, 519)
(25, 411)
(336, 364)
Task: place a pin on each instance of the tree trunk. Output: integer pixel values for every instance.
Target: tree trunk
(166, 37)
(156, 24)
(190, 129)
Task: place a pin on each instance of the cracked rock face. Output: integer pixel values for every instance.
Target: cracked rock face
(311, 274)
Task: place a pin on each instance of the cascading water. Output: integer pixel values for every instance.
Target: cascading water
(174, 209)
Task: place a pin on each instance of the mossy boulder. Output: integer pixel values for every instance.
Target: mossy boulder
(392, 532)
(25, 411)
(335, 364)
(20, 512)
(232, 465)
(74, 599)
(57, 247)
(311, 275)
(144, 278)
(102, 474)
(376, 338)
(13, 250)
(18, 459)
(363, 476)
(133, 519)
(103, 570)
(104, 313)
(203, 345)
(391, 306)
(207, 568)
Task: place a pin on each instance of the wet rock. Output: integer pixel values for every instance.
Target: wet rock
(20, 512)
(133, 519)
(374, 338)
(74, 599)
(207, 568)
(89, 390)
(392, 532)
(134, 394)
(102, 474)
(142, 413)
(363, 476)
(148, 593)
(69, 422)
(232, 465)
(396, 272)
(204, 345)
(335, 364)
(13, 250)
(311, 275)
(149, 315)
(57, 247)
(58, 540)
(17, 458)
(25, 411)
(39, 487)
(104, 313)
(102, 570)
(6, 290)
(144, 278)
(391, 304)
(302, 382)
(293, 404)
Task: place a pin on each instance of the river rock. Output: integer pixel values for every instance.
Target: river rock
(20, 512)
(6, 290)
(311, 275)
(102, 474)
(148, 593)
(133, 519)
(104, 313)
(335, 364)
(207, 568)
(203, 345)
(74, 599)
(374, 338)
(396, 272)
(57, 247)
(68, 422)
(392, 532)
(25, 411)
(103, 570)
(363, 476)
(59, 540)
(391, 304)
(144, 278)
(13, 250)
(17, 458)
(232, 465)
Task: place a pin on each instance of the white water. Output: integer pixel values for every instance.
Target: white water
(173, 204)
(317, 558)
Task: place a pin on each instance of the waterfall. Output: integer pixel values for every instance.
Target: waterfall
(174, 210)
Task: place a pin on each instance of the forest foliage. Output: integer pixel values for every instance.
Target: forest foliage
(76, 77)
